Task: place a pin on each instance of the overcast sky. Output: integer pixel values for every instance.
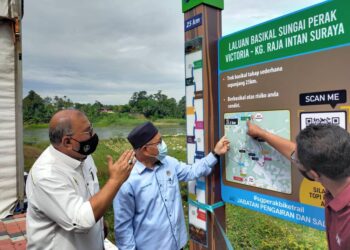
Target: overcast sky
(107, 50)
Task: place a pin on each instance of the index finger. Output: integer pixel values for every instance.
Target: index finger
(125, 155)
(129, 155)
(109, 160)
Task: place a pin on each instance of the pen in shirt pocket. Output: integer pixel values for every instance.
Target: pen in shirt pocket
(168, 173)
(92, 175)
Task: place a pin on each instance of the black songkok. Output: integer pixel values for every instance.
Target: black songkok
(142, 134)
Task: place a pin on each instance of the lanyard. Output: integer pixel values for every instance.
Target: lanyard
(211, 209)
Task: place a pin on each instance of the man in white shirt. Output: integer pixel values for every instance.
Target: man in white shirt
(65, 205)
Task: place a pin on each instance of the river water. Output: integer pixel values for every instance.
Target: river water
(42, 134)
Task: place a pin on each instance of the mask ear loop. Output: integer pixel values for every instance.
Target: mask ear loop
(153, 156)
(71, 138)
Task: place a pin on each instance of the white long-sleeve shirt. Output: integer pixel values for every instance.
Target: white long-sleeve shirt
(59, 213)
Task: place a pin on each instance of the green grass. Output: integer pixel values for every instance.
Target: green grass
(246, 229)
(31, 153)
(34, 126)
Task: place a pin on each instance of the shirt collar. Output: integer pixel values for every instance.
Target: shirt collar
(69, 161)
(342, 200)
(140, 167)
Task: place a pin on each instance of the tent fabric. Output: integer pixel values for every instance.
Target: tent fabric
(8, 162)
(9, 9)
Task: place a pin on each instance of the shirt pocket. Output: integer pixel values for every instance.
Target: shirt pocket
(93, 187)
(170, 190)
(92, 182)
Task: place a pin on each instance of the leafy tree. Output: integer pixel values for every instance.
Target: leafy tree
(181, 108)
(148, 107)
(136, 101)
(158, 105)
(62, 103)
(34, 110)
(97, 105)
(125, 108)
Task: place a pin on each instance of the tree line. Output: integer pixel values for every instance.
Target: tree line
(152, 106)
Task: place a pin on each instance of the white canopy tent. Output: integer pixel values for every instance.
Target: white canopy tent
(11, 128)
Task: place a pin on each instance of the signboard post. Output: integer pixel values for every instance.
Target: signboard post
(202, 26)
(283, 75)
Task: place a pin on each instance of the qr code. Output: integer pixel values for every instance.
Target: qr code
(323, 120)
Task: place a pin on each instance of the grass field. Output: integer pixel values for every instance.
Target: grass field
(246, 229)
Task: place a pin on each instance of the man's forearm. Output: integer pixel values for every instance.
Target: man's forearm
(282, 145)
(103, 199)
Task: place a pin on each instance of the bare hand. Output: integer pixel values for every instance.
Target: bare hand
(222, 146)
(254, 130)
(120, 170)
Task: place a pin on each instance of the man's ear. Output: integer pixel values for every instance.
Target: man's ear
(316, 176)
(66, 141)
(144, 151)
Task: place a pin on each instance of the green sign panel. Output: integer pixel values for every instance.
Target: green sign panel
(322, 26)
(189, 4)
(197, 64)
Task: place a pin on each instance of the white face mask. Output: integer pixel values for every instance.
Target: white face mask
(163, 150)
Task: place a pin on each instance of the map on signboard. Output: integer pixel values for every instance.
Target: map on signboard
(252, 161)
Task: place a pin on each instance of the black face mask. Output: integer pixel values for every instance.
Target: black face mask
(87, 147)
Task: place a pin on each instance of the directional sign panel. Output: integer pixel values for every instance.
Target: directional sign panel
(283, 75)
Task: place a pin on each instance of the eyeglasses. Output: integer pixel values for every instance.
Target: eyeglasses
(90, 132)
(294, 159)
(158, 142)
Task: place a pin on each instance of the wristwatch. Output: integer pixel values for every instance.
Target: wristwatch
(216, 155)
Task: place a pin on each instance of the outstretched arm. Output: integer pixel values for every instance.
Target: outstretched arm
(118, 172)
(204, 166)
(282, 145)
(222, 146)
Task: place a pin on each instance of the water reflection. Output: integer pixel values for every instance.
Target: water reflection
(41, 134)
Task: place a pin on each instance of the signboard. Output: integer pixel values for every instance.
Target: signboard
(317, 28)
(195, 136)
(282, 75)
(193, 22)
